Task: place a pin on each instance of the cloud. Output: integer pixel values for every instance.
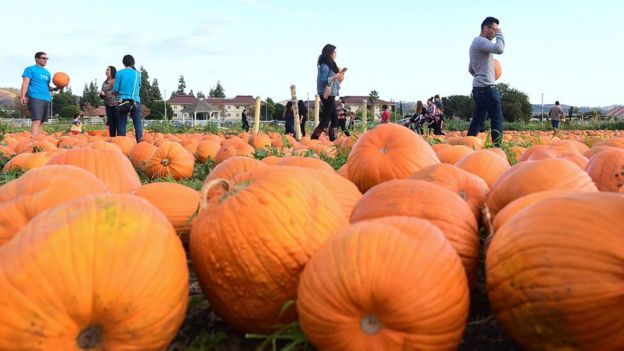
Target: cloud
(278, 10)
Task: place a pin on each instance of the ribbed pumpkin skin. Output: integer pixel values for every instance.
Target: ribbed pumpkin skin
(426, 200)
(555, 274)
(177, 202)
(229, 168)
(207, 149)
(251, 240)
(485, 164)
(532, 176)
(40, 189)
(454, 153)
(400, 270)
(126, 144)
(111, 167)
(607, 169)
(468, 186)
(389, 151)
(170, 159)
(307, 162)
(107, 261)
(141, 153)
(232, 148)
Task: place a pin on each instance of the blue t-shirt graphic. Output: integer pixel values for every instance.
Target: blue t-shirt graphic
(39, 82)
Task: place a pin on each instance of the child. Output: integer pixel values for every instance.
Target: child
(76, 127)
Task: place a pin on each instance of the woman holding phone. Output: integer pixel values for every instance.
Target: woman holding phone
(328, 87)
(110, 101)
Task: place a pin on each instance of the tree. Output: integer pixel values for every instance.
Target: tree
(146, 88)
(200, 95)
(90, 96)
(157, 110)
(458, 106)
(65, 104)
(20, 109)
(515, 104)
(269, 108)
(155, 91)
(373, 96)
(181, 86)
(191, 93)
(217, 91)
(278, 113)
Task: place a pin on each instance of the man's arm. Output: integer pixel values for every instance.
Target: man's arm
(497, 47)
(24, 89)
(472, 72)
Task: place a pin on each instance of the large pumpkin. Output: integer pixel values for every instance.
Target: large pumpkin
(468, 186)
(206, 150)
(232, 148)
(103, 272)
(532, 176)
(176, 201)
(111, 167)
(307, 162)
(233, 166)
(485, 164)
(40, 189)
(607, 169)
(555, 274)
(251, 240)
(386, 284)
(141, 153)
(170, 159)
(426, 200)
(389, 151)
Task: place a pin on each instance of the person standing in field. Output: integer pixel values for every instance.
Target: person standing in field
(328, 81)
(556, 114)
(484, 90)
(303, 116)
(35, 92)
(385, 115)
(127, 88)
(244, 120)
(110, 101)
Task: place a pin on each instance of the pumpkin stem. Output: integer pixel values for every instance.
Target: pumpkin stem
(210, 188)
(165, 162)
(370, 325)
(90, 337)
(383, 149)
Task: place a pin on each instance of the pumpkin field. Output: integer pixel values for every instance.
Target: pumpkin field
(382, 240)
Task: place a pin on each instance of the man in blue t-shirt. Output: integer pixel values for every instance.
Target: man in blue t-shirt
(36, 85)
(127, 88)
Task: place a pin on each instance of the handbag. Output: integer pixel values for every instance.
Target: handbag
(126, 106)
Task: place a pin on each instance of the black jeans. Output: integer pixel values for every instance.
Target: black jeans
(487, 102)
(304, 119)
(342, 124)
(112, 117)
(328, 113)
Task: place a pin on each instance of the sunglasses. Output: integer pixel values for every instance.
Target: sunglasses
(43, 58)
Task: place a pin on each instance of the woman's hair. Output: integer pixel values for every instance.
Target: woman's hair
(128, 61)
(326, 57)
(113, 71)
(288, 108)
(419, 106)
(302, 108)
(385, 107)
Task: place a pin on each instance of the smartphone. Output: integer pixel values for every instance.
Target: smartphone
(343, 70)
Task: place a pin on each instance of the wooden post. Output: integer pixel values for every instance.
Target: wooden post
(295, 107)
(364, 114)
(256, 126)
(317, 109)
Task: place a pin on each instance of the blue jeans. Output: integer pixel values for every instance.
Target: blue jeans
(136, 120)
(112, 117)
(487, 102)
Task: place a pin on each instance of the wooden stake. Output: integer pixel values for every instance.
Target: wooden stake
(295, 107)
(317, 109)
(256, 126)
(364, 113)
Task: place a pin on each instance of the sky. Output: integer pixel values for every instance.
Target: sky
(569, 51)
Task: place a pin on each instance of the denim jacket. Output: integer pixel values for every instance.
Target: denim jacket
(323, 78)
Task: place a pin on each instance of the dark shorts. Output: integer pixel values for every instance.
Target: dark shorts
(554, 123)
(39, 109)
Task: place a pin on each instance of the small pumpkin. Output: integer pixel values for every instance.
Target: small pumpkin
(60, 79)
(170, 159)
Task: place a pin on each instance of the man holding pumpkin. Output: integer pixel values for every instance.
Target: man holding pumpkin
(36, 84)
(484, 91)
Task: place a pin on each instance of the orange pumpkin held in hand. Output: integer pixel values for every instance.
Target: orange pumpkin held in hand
(60, 79)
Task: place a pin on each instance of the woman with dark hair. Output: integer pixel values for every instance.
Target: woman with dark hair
(110, 101)
(289, 118)
(303, 116)
(127, 88)
(328, 87)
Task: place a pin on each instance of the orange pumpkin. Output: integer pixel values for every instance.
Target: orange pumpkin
(426, 200)
(554, 274)
(485, 164)
(471, 142)
(111, 167)
(141, 153)
(498, 69)
(248, 254)
(109, 272)
(388, 151)
(607, 169)
(386, 284)
(260, 141)
(306, 162)
(60, 79)
(176, 201)
(229, 168)
(532, 176)
(39, 189)
(126, 144)
(170, 159)
(468, 186)
(233, 148)
(454, 153)
(207, 149)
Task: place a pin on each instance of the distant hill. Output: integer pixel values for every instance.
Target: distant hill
(537, 108)
(7, 96)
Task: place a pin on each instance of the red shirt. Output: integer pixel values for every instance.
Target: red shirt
(385, 116)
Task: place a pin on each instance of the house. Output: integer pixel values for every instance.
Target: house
(354, 103)
(179, 102)
(617, 112)
(225, 109)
